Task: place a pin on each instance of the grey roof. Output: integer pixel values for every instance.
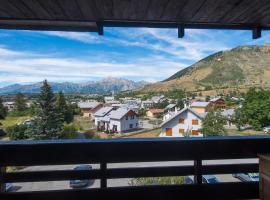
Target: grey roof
(200, 115)
(89, 104)
(199, 104)
(170, 106)
(119, 113)
(103, 111)
(228, 112)
(215, 99)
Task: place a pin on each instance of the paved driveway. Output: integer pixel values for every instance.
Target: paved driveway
(56, 185)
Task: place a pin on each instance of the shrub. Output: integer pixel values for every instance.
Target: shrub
(177, 180)
(69, 131)
(18, 132)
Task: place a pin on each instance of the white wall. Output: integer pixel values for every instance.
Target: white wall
(175, 125)
(123, 124)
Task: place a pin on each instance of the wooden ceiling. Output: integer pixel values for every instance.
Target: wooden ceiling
(93, 15)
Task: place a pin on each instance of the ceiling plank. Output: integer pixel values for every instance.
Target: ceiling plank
(71, 9)
(105, 9)
(172, 9)
(207, 8)
(28, 14)
(190, 9)
(89, 9)
(7, 7)
(243, 7)
(54, 9)
(156, 9)
(37, 9)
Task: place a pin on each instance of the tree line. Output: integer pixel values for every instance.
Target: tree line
(49, 115)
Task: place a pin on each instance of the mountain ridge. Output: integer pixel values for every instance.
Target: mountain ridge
(242, 67)
(105, 85)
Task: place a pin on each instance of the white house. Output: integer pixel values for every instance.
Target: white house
(121, 120)
(185, 120)
(100, 114)
(147, 104)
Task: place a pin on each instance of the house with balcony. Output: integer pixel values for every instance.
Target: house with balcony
(218, 103)
(88, 108)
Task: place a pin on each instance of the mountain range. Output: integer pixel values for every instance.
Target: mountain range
(239, 68)
(106, 85)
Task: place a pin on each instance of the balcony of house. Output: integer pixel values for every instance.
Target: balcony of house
(205, 157)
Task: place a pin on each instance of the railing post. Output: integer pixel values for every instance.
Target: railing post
(2, 183)
(103, 181)
(198, 171)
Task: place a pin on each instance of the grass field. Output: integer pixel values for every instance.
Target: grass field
(147, 134)
(247, 132)
(11, 121)
(84, 123)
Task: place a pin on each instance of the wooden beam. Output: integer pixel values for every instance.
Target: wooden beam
(53, 25)
(2, 183)
(181, 32)
(256, 32)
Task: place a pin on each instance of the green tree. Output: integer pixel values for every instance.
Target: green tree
(256, 108)
(20, 102)
(3, 110)
(142, 112)
(213, 124)
(65, 111)
(239, 118)
(48, 123)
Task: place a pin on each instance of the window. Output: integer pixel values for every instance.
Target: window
(136, 124)
(181, 130)
(126, 117)
(195, 132)
(168, 131)
(132, 116)
(130, 125)
(181, 121)
(195, 122)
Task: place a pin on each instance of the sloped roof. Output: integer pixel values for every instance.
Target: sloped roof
(215, 99)
(119, 113)
(199, 104)
(201, 116)
(103, 111)
(170, 106)
(89, 104)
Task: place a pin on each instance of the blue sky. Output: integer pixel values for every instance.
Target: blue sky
(131, 53)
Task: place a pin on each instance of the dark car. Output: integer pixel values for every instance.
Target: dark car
(210, 179)
(81, 183)
(247, 177)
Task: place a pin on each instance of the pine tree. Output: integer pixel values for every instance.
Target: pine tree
(20, 102)
(48, 123)
(63, 109)
(3, 110)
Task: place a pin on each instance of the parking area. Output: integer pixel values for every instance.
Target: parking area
(58, 185)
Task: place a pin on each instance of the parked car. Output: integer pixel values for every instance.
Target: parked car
(81, 183)
(9, 187)
(210, 179)
(247, 177)
(266, 129)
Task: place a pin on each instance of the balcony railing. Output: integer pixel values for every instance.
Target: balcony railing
(32, 153)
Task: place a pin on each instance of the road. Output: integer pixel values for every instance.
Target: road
(57, 185)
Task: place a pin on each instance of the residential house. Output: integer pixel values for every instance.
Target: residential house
(9, 105)
(182, 122)
(121, 120)
(154, 113)
(170, 107)
(218, 103)
(147, 104)
(109, 99)
(101, 120)
(201, 106)
(158, 99)
(89, 108)
(229, 114)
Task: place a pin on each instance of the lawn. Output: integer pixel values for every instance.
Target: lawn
(247, 132)
(147, 134)
(11, 121)
(84, 123)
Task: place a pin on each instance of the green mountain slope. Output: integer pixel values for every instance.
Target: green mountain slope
(242, 67)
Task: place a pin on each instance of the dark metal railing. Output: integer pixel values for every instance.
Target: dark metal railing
(33, 153)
